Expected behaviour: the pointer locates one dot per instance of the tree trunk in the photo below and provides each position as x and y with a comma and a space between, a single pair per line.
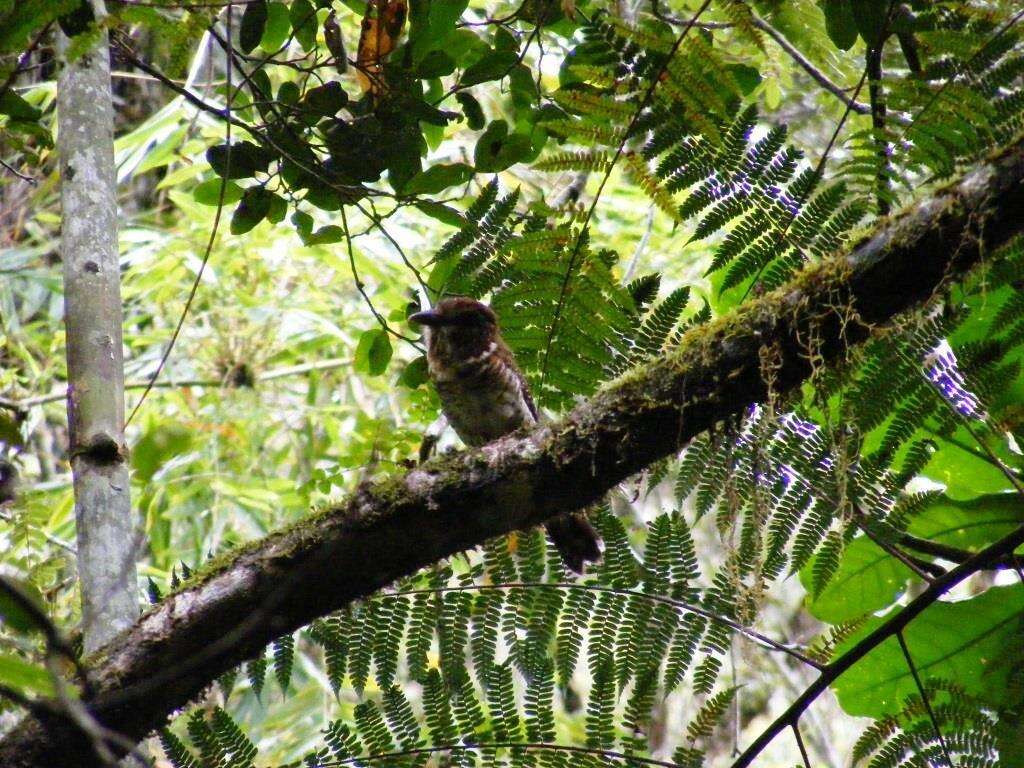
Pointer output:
92, 302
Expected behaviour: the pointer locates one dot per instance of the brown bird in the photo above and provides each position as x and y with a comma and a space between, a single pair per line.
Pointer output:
484, 396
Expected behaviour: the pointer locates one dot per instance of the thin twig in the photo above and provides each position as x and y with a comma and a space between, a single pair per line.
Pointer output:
362, 288
800, 744
902, 618
11, 169
924, 696
55, 642
22, 406
954, 554
925, 570
210, 240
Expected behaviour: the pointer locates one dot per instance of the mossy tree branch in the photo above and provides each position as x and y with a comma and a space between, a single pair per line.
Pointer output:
391, 528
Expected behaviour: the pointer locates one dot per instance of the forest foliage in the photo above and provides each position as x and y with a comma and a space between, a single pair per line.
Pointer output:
608, 177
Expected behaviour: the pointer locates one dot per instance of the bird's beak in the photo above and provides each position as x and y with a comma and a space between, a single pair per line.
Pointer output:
429, 318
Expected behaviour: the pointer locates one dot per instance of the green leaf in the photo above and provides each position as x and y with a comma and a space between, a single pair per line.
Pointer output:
441, 212
373, 352
19, 674
496, 150
158, 446
12, 613
747, 77
277, 27
325, 100
523, 86
251, 210
964, 642
970, 524
278, 209
493, 65
303, 224
867, 580
870, 17
414, 374
437, 178
839, 22
965, 474
254, 21
208, 193
435, 64
431, 24
246, 160
330, 233
303, 20
505, 40
472, 110
15, 107
288, 93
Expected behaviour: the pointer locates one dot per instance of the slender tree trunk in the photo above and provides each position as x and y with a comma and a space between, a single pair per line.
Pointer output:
92, 301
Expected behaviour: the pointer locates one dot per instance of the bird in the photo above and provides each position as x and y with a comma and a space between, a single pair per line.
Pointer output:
485, 396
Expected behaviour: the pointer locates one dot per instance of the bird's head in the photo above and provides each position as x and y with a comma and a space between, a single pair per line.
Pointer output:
458, 327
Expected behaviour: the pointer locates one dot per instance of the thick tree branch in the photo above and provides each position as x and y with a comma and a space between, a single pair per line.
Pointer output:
391, 528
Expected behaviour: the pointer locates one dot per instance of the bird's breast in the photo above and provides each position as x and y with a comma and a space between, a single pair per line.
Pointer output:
484, 401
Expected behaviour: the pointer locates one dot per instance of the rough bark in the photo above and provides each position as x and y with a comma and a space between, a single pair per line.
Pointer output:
92, 305
391, 528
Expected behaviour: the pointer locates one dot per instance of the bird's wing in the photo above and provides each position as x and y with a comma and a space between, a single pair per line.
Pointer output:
524, 388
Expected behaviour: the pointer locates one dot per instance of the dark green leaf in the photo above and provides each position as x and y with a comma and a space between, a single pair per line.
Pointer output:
252, 209
322, 197
839, 22
303, 224
373, 352
496, 150
13, 614
288, 93
278, 209
435, 64
247, 159
254, 21
493, 65
277, 28
472, 110
523, 86
871, 18
303, 20
330, 233
325, 100
748, 78
76, 21
208, 193
438, 178
15, 107
505, 40
414, 374
443, 213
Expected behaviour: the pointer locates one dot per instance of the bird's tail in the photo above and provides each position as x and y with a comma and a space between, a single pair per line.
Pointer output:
575, 539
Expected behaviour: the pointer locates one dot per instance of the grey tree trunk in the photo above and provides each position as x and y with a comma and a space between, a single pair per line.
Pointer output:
92, 302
